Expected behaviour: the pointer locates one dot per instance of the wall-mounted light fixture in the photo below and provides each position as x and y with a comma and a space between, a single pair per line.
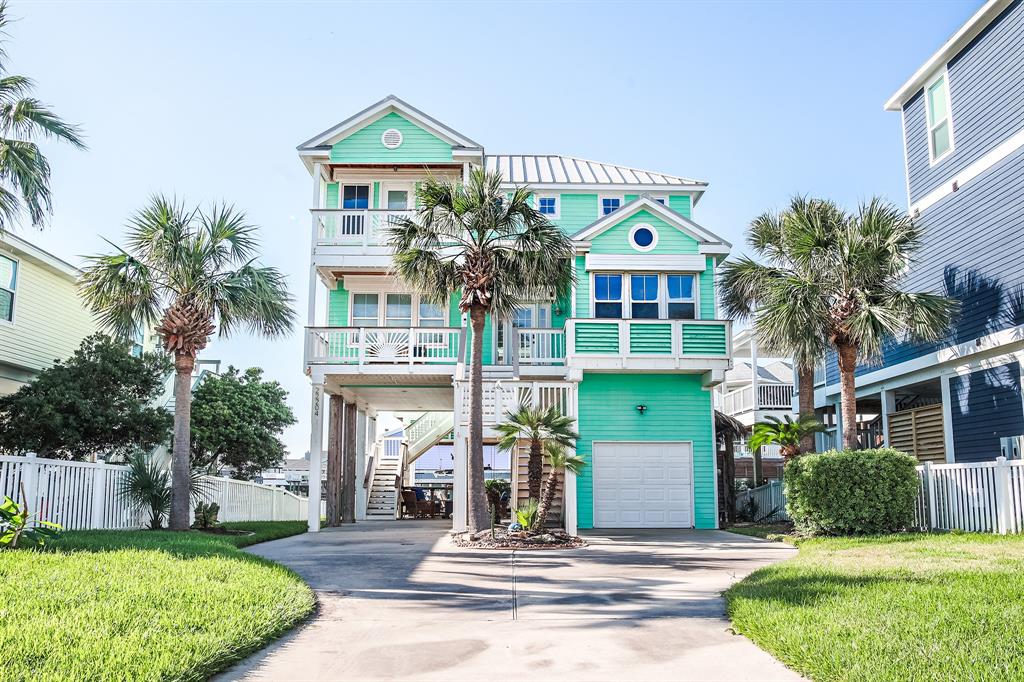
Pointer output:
641, 408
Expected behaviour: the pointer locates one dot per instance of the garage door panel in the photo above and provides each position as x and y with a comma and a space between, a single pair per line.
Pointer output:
638, 485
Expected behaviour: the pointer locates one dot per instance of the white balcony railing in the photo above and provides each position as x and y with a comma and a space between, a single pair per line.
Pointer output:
353, 227
383, 345
500, 397
539, 346
773, 397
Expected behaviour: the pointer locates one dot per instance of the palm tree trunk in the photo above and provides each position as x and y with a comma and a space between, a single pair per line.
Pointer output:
729, 474
535, 470
544, 508
758, 473
848, 394
476, 490
805, 381
180, 464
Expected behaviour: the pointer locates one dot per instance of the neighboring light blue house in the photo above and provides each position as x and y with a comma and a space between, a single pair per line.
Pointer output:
633, 352
963, 122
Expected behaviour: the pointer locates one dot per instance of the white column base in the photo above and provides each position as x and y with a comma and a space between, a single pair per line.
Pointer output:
316, 443
460, 484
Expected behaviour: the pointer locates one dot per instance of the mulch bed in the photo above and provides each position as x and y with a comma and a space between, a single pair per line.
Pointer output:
518, 540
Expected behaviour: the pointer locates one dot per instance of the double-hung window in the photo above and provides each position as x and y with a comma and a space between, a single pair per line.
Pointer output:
431, 314
548, 206
643, 292
609, 204
940, 122
8, 285
682, 305
355, 197
398, 310
364, 310
608, 296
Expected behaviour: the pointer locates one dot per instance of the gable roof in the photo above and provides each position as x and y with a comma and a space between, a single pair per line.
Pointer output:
709, 241
541, 169
371, 113
951, 48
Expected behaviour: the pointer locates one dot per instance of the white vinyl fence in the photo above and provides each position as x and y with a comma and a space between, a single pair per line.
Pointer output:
83, 495
981, 497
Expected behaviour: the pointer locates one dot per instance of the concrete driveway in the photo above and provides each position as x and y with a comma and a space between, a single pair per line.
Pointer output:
399, 601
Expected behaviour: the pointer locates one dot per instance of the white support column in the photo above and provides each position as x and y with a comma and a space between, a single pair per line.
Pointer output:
460, 478
888, 399
569, 487
1003, 496
316, 442
947, 416
99, 496
756, 404
311, 304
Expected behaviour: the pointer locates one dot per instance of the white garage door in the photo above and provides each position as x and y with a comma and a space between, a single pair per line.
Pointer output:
643, 485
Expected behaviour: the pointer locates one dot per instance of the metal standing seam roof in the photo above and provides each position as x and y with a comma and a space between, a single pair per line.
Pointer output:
554, 169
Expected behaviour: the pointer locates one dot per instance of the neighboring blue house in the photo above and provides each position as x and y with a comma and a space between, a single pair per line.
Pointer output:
963, 124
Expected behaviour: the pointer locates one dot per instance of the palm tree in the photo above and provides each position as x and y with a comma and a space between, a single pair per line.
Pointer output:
537, 425
839, 281
787, 433
189, 272
793, 329
498, 252
558, 459
24, 171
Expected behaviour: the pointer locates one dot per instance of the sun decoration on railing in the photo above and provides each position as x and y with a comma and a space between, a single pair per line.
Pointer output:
387, 345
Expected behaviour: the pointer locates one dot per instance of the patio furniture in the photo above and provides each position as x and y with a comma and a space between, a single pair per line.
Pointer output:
414, 507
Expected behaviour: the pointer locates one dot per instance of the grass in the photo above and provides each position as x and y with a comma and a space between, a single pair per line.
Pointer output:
765, 531
905, 607
143, 605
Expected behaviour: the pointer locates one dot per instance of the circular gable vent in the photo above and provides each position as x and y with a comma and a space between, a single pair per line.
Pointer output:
391, 138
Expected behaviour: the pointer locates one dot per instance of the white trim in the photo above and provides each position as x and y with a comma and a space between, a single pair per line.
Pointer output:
660, 262
947, 415
390, 131
632, 237
990, 159
693, 480
666, 213
609, 195
662, 300
941, 75
693, 191
16, 245
549, 195
964, 35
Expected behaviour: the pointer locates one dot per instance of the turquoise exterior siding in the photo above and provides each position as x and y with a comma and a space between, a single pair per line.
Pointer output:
337, 306
671, 241
582, 288
678, 409
331, 196
576, 212
680, 204
704, 339
707, 290
364, 145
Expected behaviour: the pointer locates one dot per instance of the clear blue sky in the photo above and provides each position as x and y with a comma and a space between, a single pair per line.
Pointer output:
208, 101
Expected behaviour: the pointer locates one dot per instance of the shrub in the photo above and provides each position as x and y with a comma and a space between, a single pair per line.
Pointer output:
852, 492
206, 515
526, 513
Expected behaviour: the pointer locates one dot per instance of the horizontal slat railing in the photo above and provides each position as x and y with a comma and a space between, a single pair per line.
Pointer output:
683, 339
86, 495
367, 345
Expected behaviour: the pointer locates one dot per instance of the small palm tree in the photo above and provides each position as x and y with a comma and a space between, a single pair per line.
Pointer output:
787, 433
539, 426
189, 272
24, 171
494, 249
558, 459
839, 280
146, 488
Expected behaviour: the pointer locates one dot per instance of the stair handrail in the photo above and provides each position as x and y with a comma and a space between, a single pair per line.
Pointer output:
371, 466
399, 479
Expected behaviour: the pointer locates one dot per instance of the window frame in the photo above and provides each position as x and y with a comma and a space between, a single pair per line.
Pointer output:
341, 195
420, 302
657, 298
663, 297
643, 226
14, 291
600, 203
382, 298
352, 310
594, 301
943, 75
694, 296
558, 205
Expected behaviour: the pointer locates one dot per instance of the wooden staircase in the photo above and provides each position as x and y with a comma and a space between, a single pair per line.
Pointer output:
382, 496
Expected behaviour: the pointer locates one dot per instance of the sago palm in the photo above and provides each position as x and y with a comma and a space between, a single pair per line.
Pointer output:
841, 282
24, 120
537, 425
559, 459
794, 329
497, 252
190, 273
787, 433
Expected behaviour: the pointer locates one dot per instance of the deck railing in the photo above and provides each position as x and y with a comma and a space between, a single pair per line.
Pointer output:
537, 346
395, 345
773, 397
362, 227
691, 341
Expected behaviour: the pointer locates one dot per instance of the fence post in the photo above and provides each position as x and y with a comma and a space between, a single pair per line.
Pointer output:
1002, 481
30, 481
99, 495
929, 482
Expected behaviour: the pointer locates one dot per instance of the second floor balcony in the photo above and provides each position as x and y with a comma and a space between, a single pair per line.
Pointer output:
771, 396
353, 237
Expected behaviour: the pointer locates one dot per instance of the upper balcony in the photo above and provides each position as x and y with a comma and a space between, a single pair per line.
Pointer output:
353, 237
774, 397
652, 345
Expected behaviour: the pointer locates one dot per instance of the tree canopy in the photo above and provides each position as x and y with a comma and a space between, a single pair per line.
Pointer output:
100, 401
237, 419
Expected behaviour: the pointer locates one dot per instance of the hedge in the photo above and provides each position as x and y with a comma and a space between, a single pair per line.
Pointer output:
852, 492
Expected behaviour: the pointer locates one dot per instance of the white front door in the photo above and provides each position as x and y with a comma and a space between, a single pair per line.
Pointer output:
643, 485
531, 315
397, 196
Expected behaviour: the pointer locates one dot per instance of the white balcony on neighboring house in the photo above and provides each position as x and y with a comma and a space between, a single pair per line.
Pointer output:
353, 237
774, 399
382, 350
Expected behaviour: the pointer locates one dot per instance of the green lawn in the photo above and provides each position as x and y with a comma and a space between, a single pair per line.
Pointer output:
143, 605
906, 607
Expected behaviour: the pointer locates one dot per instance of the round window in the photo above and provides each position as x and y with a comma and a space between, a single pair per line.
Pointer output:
643, 237
391, 138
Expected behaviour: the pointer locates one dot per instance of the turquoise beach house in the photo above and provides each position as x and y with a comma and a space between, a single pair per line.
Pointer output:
633, 352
